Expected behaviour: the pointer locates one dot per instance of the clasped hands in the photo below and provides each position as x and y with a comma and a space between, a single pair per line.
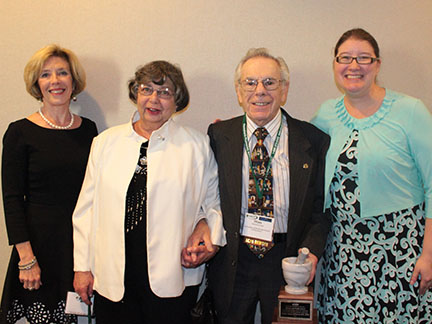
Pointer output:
199, 247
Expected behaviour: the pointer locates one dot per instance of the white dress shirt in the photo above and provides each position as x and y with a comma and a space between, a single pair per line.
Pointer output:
280, 170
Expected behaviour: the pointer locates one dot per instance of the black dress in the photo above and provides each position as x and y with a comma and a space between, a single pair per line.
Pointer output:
42, 173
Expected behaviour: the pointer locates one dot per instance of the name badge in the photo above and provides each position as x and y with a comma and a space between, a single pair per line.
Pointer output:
258, 227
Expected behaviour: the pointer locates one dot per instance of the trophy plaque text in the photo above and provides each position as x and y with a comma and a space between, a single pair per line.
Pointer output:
295, 309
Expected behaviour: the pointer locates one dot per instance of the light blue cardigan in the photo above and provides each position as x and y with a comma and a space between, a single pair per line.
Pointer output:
394, 152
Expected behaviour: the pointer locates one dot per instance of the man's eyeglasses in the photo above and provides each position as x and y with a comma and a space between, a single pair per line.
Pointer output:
251, 84
363, 60
163, 93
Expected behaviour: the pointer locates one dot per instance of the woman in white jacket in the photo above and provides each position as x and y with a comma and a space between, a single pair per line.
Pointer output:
148, 213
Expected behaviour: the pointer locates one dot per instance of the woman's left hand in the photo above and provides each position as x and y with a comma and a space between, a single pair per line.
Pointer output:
423, 268
199, 247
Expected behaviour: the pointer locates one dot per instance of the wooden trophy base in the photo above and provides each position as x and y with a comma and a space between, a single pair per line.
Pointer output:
295, 309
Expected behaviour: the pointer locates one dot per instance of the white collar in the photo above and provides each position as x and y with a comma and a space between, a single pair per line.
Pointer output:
272, 126
160, 133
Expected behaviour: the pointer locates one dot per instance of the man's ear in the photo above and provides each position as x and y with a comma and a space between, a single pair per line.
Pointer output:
285, 89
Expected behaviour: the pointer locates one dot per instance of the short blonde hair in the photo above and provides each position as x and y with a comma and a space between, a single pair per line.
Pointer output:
34, 67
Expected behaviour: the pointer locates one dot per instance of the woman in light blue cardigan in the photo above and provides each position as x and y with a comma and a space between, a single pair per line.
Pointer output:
378, 262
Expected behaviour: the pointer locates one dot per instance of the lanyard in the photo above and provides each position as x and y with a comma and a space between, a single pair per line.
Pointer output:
273, 152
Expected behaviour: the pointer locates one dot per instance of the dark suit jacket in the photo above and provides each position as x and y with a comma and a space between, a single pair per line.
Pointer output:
307, 225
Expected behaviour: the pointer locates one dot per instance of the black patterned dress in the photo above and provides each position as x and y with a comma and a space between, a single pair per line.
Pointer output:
368, 262
135, 225
42, 173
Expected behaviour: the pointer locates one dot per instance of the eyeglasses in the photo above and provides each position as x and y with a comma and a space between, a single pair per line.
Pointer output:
163, 93
363, 60
251, 84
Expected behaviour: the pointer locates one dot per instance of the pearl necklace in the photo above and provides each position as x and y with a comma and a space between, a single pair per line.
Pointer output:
54, 125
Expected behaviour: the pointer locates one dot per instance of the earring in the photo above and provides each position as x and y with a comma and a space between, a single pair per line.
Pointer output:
74, 98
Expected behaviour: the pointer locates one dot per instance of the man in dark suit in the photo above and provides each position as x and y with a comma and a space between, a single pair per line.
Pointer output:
248, 268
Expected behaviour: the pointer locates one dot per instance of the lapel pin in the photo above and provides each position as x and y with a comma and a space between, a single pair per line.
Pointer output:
305, 166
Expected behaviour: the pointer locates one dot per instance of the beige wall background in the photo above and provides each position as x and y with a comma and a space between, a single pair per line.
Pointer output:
207, 39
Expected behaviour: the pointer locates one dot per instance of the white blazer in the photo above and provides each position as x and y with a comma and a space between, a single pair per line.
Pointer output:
182, 188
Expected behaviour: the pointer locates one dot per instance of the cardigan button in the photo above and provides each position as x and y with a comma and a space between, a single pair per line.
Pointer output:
233, 263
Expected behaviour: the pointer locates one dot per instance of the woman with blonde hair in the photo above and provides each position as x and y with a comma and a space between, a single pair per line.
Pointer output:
43, 165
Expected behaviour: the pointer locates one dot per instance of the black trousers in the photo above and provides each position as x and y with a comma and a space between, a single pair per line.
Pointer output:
256, 280
141, 306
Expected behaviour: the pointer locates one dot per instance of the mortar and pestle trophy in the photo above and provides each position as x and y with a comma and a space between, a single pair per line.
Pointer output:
296, 299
